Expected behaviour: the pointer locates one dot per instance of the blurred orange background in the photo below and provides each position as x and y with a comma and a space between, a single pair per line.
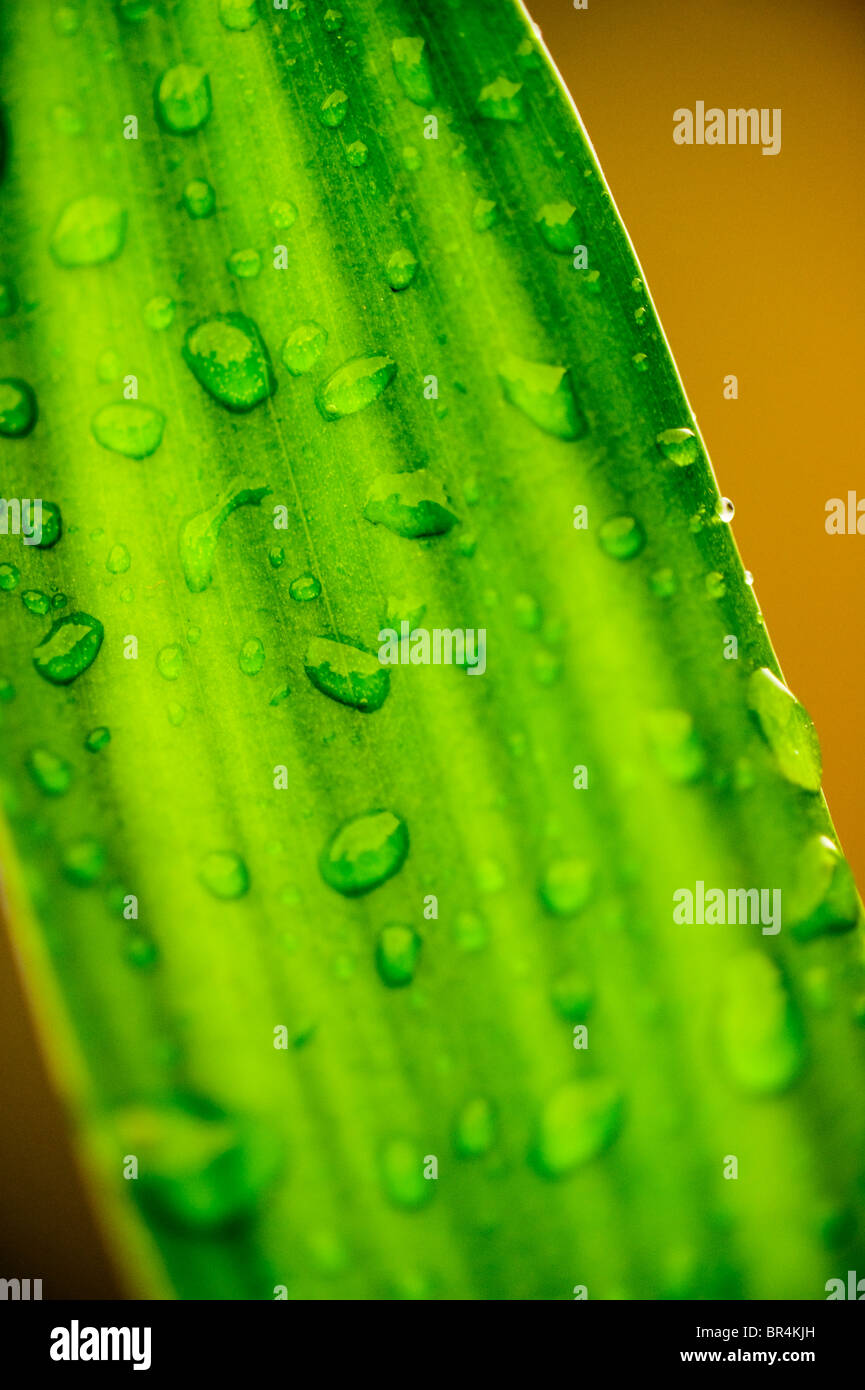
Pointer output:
753, 263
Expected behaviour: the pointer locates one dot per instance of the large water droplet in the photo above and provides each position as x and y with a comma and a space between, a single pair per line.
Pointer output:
787, 729
502, 100
761, 1035
396, 955
51, 773
557, 224
183, 101
411, 69
579, 1122
224, 874
68, 648
18, 411
347, 673
303, 347
364, 852
824, 901
544, 394
410, 504
199, 535
129, 428
90, 231
355, 385
227, 356
200, 1169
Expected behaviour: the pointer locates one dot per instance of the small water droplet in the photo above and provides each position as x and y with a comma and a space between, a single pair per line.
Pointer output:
663, 583
333, 109
640, 361
411, 69
676, 745
305, 588
411, 159
71, 645
118, 561
8, 298
485, 215
364, 852
18, 410
824, 901
129, 428
303, 347
52, 774
578, 1123
355, 385
83, 861
183, 100
238, 15
333, 21
245, 264
159, 312
787, 728
726, 510
544, 394
470, 932
475, 1129
9, 576
402, 1165
67, 119
622, 537
347, 673
199, 198
357, 154
410, 504
761, 1034
224, 874
716, 584
749, 578
169, 662
572, 997
7, 690
36, 602
558, 226
502, 100
396, 955
97, 739
678, 446
401, 268
90, 231
227, 356
251, 657
567, 887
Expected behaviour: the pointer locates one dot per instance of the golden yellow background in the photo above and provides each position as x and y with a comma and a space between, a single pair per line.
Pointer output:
754, 265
